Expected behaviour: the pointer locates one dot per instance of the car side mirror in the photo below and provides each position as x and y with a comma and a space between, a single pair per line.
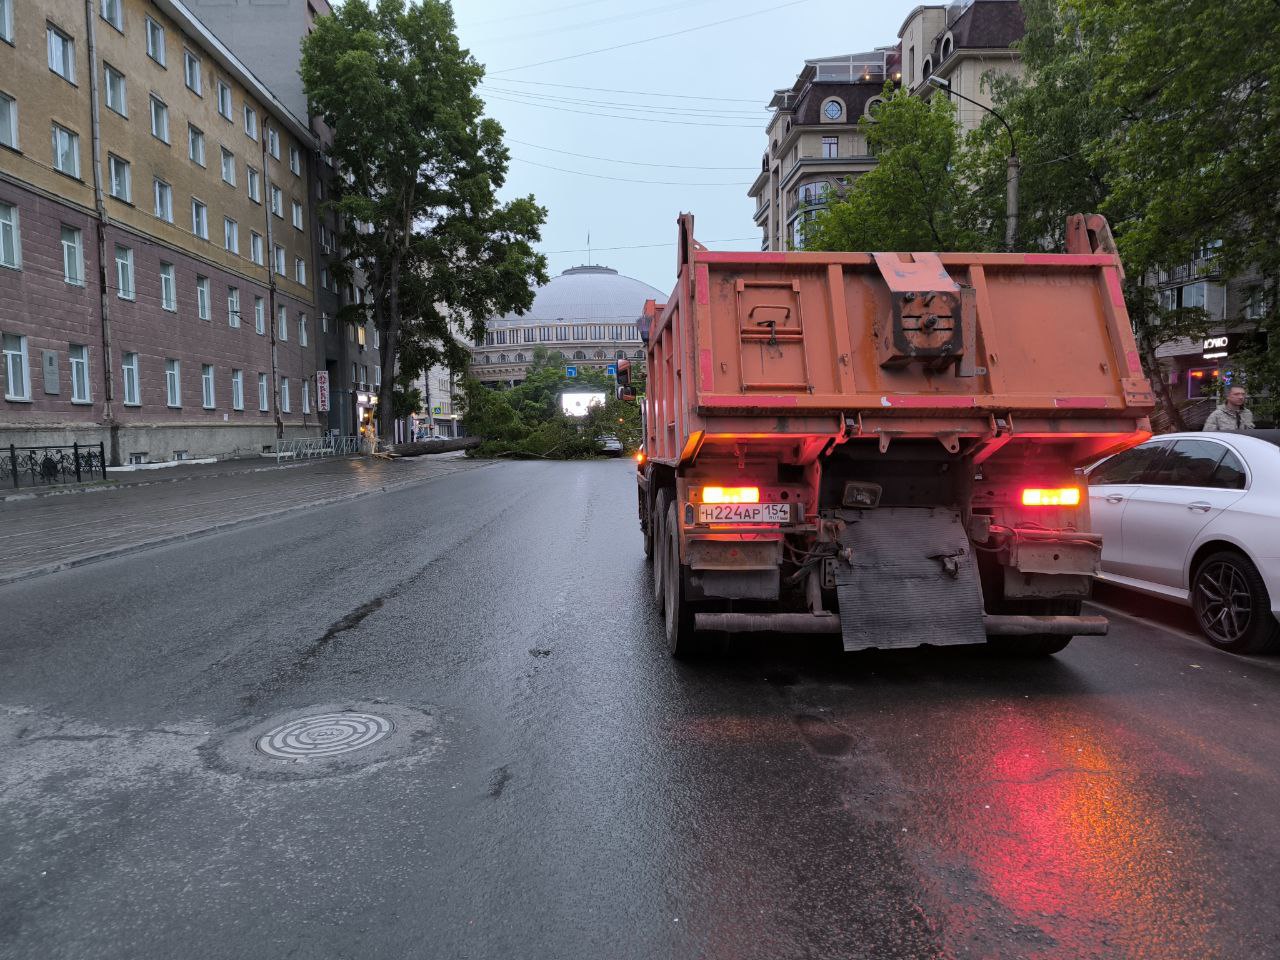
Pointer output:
624, 373
627, 393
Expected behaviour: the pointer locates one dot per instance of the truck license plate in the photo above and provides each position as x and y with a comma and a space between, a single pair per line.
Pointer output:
744, 513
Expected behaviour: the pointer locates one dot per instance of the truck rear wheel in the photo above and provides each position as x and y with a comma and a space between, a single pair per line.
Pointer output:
677, 613
658, 528
1038, 645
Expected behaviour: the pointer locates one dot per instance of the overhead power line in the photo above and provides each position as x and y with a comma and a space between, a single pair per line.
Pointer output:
630, 163
644, 246
561, 28
601, 176
536, 13
638, 93
619, 116
662, 36
554, 98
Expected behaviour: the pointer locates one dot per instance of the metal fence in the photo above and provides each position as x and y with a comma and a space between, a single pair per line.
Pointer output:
305, 448
49, 466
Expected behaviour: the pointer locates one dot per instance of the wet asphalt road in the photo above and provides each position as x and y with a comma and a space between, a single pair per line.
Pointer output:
567, 790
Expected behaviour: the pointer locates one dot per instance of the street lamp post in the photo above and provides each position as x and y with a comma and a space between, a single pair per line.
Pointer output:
1011, 183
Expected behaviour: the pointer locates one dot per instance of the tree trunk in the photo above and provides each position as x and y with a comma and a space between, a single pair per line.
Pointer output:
387, 361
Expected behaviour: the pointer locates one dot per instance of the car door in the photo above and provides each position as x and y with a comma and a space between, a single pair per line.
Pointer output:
1183, 493
1110, 485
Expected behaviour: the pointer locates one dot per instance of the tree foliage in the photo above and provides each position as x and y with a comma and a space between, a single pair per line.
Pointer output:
419, 169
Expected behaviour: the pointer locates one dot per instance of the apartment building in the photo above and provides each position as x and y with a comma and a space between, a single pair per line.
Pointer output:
815, 148
157, 267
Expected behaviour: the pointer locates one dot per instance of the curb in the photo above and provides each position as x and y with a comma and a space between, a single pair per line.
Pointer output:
88, 558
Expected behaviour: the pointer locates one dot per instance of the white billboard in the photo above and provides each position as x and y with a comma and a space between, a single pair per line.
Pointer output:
577, 404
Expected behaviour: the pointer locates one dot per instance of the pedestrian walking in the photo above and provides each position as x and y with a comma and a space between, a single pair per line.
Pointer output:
1232, 415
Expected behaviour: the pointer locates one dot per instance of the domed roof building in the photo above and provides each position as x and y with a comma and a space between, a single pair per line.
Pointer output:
590, 315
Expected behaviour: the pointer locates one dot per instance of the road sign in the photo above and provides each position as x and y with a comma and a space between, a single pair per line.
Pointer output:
570, 371
322, 391
611, 369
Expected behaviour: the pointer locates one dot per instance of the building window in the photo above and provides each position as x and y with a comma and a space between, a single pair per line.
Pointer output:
10, 237
159, 119
832, 110
155, 41
255, 248
168, 287
295, 161
173, 383
324, 322
114, 83
17, 385
72, 256
277, 202
273, 142
121, 185
237, 389
113, 13
202, 297
377, 338
377, 375
62, 54
233, 306
206, 385
278, 256
284, 394
297, 214
259, 316
195, 144
79, 373
251, 122
191, 71
224, 100
6, 20
228, 167
262, 391
306, 396
282, 325
8, 119
230, 235
302, 329
830, 148
124, 273
129, 369
66, 151
300, 270
254, 181
163, 200
199, 219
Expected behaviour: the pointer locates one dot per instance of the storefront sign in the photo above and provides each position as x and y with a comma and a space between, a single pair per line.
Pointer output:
322, 391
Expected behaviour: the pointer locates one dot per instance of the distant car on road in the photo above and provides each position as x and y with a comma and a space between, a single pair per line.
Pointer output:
1195, 517
611, 446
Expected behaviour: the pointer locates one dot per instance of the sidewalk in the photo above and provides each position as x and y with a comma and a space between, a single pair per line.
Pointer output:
43, 534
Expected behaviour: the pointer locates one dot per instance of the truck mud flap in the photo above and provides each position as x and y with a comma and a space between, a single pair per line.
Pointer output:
907, 576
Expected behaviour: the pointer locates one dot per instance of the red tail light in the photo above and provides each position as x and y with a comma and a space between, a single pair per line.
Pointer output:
1051, 497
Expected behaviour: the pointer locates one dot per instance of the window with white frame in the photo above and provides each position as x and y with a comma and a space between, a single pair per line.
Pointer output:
297, 214
113, 83
282, 324
163, 197
62, 53
66, 151
195, 144
324, 278
228, 167
79, 355
168, 287
376, 338
121, 182
233, 306
237, 389
278, 256
324, 322
273, 142
263, 392
10, 237
277, 202
155, 41
124, 273
72, 256
6, 20
300, 270
199, 219
129, 378
284, 394
306, 396
255, 248
230, 235
17, 383
159, 119
113, 13
202, 297
8, 119
224, 101
191, 71
173, 383
302, 329
295, 161
251, 122
377, 374
206, 385
254, 182
259, 315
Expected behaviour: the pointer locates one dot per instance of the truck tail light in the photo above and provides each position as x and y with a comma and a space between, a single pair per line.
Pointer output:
730, 494
1051, 497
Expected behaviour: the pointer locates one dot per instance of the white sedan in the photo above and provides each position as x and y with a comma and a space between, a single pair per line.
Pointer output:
1195, 517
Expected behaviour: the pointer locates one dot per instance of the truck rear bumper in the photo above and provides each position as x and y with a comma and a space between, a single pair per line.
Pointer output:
993, 625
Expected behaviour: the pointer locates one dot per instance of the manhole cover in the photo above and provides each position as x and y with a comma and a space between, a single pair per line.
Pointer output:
323, 735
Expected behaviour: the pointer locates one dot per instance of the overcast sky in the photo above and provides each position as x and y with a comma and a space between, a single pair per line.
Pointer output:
732, 68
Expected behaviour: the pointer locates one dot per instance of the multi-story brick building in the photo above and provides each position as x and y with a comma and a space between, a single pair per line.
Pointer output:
157, 257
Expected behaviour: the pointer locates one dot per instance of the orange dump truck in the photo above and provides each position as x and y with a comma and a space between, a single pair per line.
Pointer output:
884, 446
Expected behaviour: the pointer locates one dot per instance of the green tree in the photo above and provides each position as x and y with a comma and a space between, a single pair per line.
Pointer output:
419, 168
914, 198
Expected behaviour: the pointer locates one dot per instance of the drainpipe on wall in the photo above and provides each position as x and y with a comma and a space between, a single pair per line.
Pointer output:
104, 295
271, 282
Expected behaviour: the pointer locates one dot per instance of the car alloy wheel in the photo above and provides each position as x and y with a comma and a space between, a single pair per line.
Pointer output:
1223, 602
